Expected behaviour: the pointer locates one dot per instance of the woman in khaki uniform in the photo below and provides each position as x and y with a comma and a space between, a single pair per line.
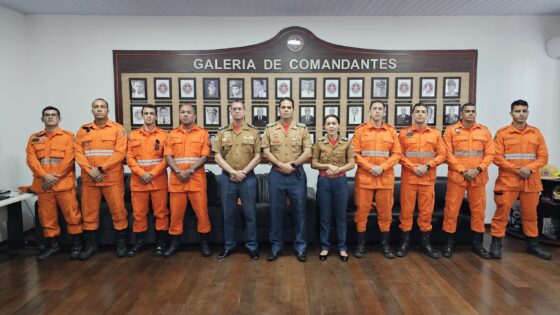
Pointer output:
333, 156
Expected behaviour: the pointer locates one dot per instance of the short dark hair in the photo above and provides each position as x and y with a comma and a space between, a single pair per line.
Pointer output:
149, 106
419, 104
329, 116
188, 104
519, 103
467, 104
100, 99
287, 99
238, 100
376, 101
50, 108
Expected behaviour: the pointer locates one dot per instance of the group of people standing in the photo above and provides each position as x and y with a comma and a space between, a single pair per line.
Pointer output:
100, 147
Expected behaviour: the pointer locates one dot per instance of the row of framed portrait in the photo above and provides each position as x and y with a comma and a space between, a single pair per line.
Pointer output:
260, 117
283, 88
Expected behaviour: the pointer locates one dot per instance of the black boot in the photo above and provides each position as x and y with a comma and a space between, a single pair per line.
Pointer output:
76, 246
403, 247
205, 249
477, 247
361, 246
386, 249
427, 246
137, 245
121, 243
496, 247
52, 249
534, 248
161, 240
173, 246
91, 245
448, 247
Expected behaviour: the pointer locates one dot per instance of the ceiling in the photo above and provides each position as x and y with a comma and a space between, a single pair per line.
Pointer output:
284, 7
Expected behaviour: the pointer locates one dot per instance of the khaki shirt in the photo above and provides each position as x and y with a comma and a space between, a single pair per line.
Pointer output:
286, 147
324, 152
238, 148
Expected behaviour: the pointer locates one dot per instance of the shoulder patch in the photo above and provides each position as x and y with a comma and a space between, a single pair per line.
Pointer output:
301, 125
40, 134
87, 128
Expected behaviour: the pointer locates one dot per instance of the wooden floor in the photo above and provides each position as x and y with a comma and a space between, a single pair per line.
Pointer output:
190, 284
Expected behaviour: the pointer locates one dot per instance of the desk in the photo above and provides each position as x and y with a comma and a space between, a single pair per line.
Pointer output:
15, 218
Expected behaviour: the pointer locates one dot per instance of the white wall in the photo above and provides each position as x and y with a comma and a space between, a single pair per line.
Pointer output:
70, 62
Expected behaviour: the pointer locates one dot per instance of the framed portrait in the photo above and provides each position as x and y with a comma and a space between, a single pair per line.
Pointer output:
283, 88
451, 112
307, 88
452, 87
307, 115
137, 87
428, 87
211, 88
260, 116
277, 112
431, 115
136, 118
259, 88
162, 88
212, 137
235, 88
187, 88
331, 88
385, 111
312, 136
355, 115
402, 115
165, 115
379, 87
349, 135
212, 115
355, 88
403, 88
331, 110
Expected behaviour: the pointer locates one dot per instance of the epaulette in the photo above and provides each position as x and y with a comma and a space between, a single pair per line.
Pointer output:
87, 128
343, 139
40, 134
68, 132
390, 126
272, 124
223, 128
503, 128
251, 126
321, 139
360, 126
301, 125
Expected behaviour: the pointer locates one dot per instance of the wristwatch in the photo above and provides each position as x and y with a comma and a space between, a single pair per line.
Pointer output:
191, 171
293, 165
427, 167
479, 169
100, 169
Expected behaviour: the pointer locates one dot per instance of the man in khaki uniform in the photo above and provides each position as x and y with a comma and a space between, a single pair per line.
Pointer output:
238, 151
286, 144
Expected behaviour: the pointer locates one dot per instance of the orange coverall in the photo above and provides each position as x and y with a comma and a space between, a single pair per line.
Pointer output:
514, 149
145, 155
54, 154
103, 147
467, 149
187, 147
375, 146
420, 147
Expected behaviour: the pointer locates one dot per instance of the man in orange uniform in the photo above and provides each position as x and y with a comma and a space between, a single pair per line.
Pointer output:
186, 151
470, 151
377, 151
520, 154
423, 150
50, 156
100, 149
148, 180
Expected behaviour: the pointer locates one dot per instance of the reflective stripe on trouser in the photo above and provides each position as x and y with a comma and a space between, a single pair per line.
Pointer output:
332, 197
48, 212
529, 202
454, 198
281, 186
178, 203
91, 200
247, 192
141, 205
426, 195
383, 199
